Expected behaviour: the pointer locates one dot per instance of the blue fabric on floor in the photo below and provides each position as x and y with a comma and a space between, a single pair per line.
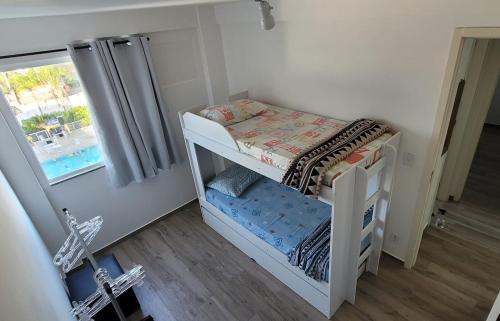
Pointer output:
275, 213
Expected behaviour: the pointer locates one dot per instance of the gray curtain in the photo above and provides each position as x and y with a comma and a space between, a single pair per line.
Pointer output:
129, 114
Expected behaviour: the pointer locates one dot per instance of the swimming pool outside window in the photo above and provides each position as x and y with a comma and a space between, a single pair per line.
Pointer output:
50, 106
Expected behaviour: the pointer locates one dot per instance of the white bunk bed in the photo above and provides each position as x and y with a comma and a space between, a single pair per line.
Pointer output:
351, 194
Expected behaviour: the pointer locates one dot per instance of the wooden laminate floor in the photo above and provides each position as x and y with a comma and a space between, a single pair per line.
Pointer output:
482, 188
478, 212
194, 274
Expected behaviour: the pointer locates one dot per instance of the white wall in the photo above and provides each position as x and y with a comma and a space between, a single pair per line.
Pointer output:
18, 171
31, 288
181, 64
348, 59
493, 117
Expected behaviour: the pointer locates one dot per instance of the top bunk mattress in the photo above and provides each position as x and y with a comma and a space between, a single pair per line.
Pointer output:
279, 135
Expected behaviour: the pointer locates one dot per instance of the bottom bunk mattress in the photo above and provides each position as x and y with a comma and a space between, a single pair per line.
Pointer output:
282, 217
275, 213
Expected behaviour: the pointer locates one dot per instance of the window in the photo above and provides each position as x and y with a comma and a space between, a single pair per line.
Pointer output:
49, 104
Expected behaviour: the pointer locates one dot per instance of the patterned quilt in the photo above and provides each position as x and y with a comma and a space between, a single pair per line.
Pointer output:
279, 135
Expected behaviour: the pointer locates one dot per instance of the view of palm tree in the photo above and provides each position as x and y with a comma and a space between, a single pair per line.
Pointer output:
51, 108
41, 86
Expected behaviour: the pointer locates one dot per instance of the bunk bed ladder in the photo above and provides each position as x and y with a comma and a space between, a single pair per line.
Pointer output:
369, 258
382, 208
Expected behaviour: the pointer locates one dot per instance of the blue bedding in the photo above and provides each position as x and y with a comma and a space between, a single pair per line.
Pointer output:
287, 220
275, 213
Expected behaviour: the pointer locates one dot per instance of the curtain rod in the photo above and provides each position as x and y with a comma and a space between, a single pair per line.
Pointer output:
34, 53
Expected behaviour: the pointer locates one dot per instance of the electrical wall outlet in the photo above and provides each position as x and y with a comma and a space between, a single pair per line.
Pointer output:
408, 159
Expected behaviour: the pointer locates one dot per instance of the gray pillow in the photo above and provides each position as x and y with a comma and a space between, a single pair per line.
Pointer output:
234, 180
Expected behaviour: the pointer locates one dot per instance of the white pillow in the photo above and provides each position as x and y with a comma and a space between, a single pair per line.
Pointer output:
235, 112
252, 107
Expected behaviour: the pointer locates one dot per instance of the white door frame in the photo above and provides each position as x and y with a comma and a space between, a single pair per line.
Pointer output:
475, 67
471, 48
442, 120
479, 106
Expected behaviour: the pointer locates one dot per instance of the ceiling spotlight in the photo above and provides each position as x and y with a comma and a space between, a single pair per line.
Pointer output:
267, 19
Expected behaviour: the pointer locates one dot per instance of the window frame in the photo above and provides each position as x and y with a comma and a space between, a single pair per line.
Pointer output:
15, 127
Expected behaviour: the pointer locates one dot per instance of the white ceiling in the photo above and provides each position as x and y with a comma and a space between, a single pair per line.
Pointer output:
38, 8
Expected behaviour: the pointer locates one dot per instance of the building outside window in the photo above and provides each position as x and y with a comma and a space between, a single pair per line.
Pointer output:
50, 107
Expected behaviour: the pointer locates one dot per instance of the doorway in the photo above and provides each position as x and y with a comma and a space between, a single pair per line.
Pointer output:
478, 208
468, 196
468, 89
483, 182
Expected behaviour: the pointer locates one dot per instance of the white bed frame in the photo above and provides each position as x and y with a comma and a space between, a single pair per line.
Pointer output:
352, 193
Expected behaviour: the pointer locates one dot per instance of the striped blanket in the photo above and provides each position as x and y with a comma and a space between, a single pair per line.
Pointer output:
306, 172
312, 254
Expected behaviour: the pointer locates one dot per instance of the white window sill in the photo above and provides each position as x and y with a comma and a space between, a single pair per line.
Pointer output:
74, 174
